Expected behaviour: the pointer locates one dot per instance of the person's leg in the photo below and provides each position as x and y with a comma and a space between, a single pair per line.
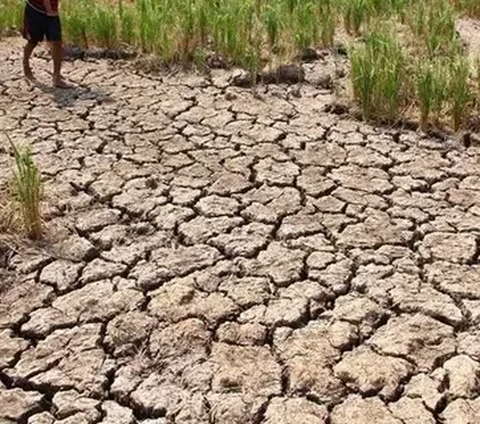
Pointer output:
57, 56
33, 33
27, 54
54, 36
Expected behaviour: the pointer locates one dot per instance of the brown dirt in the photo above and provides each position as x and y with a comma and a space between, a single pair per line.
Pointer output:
227, 256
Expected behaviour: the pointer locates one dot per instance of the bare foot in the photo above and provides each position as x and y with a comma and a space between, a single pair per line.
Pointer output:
60, 83
27, 71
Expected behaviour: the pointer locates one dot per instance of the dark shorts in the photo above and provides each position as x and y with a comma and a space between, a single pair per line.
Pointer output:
38, 27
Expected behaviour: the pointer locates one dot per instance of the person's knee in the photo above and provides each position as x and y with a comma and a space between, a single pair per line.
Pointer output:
32, 44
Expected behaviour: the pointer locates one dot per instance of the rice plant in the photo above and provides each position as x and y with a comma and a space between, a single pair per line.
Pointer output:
127, 23
27, 190
468, 7
431, 89
75, 23
377, 73
355, 14
306, 26
327, 14
433, 23
272, 22
104, 26
459, 94
11, 15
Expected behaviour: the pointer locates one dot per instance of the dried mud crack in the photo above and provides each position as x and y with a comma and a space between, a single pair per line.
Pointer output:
228, 257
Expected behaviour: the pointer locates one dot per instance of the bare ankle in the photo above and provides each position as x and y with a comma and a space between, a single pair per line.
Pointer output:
27, 70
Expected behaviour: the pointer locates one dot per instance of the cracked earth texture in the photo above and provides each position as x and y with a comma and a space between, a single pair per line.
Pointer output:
222, 257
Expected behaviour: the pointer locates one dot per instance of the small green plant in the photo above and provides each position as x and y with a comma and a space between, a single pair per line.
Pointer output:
459, 94
363, 79
272, 24
306, 31
127, 23
431, 85
377, 74
27, 190
75, 22
11, 16
477, 84
104, 26
355, 14
469, 7
327, 15
433, 23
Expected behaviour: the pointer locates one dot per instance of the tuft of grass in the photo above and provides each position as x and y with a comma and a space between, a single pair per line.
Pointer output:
306, 31
27, 190
327, 15
477, 84
355, 14
11, 16
104, 26
433, 23
459, 94
468, 7
272, 23
377, 73
75, 23
126, 13
431, 89
9, 221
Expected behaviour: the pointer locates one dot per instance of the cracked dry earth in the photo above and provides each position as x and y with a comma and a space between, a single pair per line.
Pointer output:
222, 258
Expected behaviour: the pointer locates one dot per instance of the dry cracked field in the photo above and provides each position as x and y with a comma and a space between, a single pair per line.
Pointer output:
223, 257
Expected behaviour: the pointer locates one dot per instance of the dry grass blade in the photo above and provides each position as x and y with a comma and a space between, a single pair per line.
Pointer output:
9, 222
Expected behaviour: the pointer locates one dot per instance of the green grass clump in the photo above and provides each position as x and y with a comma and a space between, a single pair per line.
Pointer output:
386, 74
104, 25
459, 93
11, 16
431, 89
468, 7
327, 14
355, 14
433, 24
377, 73
27, 191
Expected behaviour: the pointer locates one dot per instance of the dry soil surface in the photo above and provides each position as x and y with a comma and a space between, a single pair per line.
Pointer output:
223, 257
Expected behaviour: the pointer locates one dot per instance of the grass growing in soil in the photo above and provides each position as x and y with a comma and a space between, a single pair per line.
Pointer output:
431, 89
26, 191
459, 93
386, 77
377, 75
11, 16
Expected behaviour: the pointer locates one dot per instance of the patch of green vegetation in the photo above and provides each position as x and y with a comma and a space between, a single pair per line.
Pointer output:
386, 75
11, 16
378, 72
26, 191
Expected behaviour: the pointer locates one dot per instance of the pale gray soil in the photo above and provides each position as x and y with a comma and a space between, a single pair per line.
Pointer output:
223, 257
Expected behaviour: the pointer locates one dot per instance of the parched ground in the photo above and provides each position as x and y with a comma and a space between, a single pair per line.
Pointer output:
219, 256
